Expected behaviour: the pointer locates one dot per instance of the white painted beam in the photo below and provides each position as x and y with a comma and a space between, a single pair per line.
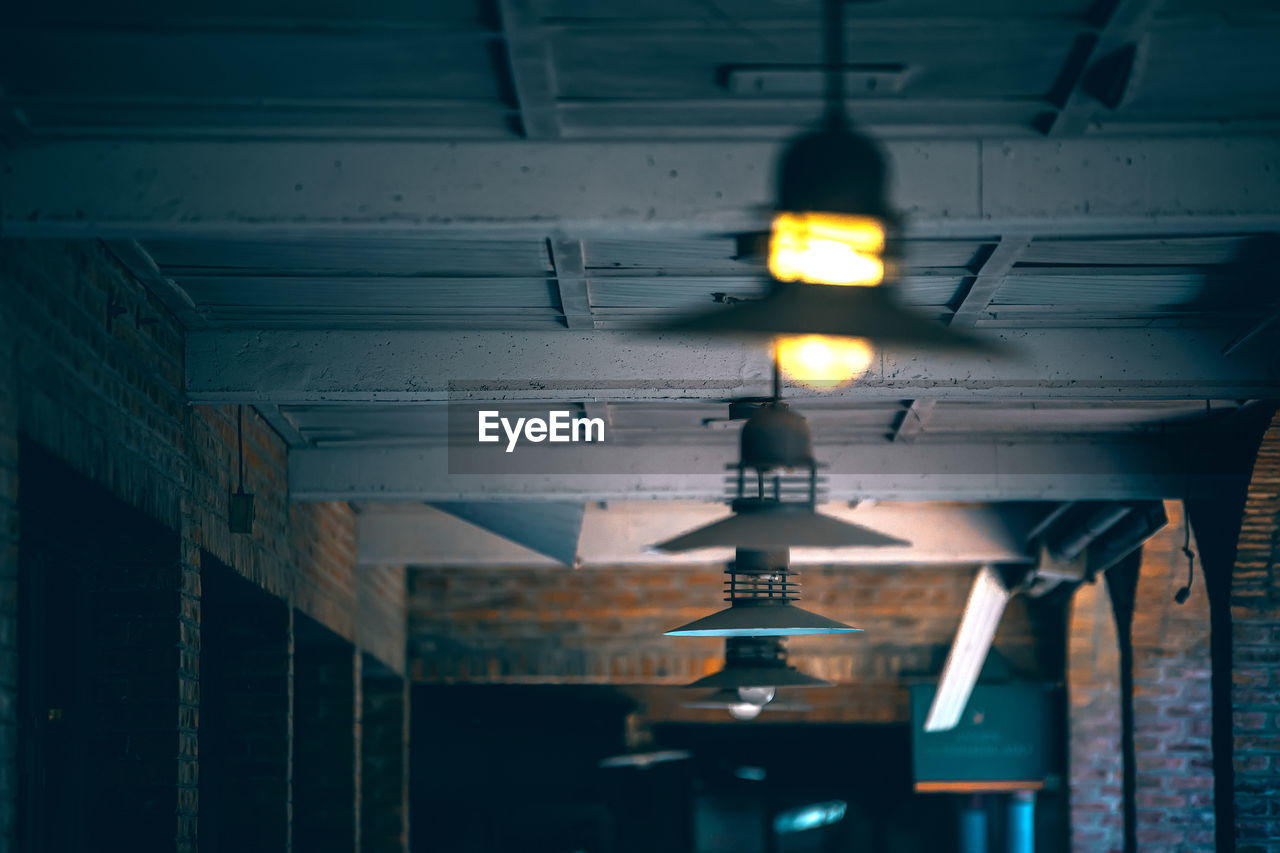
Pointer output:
1127, 22
142, 189
293, 367
1018, 469
619, 534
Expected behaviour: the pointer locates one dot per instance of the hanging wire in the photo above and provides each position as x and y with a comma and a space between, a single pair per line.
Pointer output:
1184, 592
834, 37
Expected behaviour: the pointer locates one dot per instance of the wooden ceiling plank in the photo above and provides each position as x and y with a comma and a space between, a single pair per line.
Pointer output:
995, 269
571, 279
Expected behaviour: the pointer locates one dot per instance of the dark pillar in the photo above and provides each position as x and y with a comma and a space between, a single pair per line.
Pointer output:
384, 771
104, 657
326, 739
244, 715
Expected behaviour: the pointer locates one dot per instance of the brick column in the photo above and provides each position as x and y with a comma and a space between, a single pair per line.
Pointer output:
244, 717
326, 742
384, 772
1172, 713
1255, 641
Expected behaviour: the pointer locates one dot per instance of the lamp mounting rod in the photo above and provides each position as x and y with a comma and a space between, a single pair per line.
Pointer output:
834, 37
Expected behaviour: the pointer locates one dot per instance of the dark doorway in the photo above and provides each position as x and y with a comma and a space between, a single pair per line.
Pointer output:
507, 767
244, 713
98, 689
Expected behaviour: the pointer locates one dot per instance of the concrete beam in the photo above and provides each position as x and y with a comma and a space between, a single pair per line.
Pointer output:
980, 470
619, 534
294, 367
140, 189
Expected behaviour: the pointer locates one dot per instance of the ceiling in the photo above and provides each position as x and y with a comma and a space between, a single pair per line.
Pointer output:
364, 213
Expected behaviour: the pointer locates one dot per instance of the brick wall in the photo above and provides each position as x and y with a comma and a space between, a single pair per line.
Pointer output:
366, 607
1255, 613
606, 626
91, 368
1172, 707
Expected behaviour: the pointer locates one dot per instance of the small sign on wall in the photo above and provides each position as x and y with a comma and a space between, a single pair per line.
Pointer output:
1000, 744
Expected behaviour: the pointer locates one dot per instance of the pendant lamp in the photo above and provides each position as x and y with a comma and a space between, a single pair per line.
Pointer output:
756, 662
834, 253
775, 494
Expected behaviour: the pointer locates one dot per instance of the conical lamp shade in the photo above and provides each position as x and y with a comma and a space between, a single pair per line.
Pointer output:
778, 526
762, 618
725, 698
871, 313
733, 677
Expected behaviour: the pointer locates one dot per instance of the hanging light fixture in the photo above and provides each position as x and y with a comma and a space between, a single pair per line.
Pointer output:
773, 508
760, 589
834, 253
741, 708
754, 668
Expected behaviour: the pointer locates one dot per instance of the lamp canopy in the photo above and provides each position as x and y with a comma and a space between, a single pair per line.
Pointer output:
834, 169
775, 437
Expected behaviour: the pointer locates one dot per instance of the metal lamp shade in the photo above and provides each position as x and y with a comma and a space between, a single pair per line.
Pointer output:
871, 313
777, 526
835, 170
725, 698
761, 618
733, 677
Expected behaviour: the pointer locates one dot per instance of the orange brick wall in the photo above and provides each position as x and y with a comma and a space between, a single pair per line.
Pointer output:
605, 625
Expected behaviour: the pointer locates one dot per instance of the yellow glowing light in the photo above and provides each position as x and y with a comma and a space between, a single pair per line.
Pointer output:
820, 361
827, 248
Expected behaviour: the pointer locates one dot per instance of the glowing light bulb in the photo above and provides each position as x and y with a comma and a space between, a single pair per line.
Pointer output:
756, 695
827, 248
745, 711
820, 361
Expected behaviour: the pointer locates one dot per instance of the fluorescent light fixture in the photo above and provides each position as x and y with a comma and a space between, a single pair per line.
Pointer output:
982, 612
809, 817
